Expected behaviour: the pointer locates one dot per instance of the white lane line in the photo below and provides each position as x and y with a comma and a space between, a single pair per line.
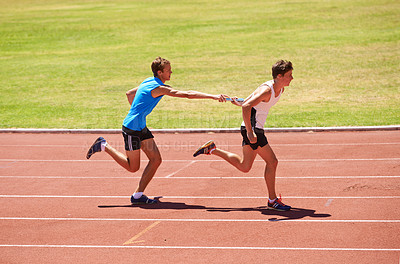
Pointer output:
218, 160
194, 177
181, 169
200, 220
196, 197
278, 177
220, 145
204, 247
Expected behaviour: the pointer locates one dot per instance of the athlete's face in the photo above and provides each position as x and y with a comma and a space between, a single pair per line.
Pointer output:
286, 78
165, 74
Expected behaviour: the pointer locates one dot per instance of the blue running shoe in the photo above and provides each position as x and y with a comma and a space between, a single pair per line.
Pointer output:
278, 205
143, 200
205, 149
96, 147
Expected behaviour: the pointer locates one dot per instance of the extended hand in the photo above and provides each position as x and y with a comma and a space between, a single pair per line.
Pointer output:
221, 97
236, 102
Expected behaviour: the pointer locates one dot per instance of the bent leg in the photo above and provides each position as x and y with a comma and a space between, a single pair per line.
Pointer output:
151, 150
243, 164
130, 161
268, 155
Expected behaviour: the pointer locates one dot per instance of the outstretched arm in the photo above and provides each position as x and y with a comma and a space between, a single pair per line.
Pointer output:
164, 90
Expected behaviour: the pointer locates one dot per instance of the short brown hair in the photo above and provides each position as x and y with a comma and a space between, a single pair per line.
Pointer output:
281, 67
158, 65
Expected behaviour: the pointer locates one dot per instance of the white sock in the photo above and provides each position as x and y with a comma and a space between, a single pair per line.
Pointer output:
103, 146
137, 195
271, 201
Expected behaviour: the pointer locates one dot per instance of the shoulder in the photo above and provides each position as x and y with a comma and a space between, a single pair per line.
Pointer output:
264, 89
263, 92
164, 87
153, 81
161, 90
147, 80
267, 85
270, 84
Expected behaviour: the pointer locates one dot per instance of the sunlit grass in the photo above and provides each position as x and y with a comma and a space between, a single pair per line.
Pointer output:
67, 64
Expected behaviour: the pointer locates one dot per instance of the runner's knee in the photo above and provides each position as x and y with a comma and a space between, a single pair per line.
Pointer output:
133, 167
273, 163
157, 160
245, 168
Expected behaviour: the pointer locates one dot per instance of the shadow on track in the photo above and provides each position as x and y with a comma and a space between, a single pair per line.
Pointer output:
294, 213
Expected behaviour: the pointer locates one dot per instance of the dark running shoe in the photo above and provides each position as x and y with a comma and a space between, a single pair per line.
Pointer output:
143, 200
96, 147
278, 205
205, 149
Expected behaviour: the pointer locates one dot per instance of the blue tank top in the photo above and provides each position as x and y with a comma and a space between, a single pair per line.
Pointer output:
142, 104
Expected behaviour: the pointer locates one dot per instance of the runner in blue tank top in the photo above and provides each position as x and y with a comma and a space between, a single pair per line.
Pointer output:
143, 104
136, 135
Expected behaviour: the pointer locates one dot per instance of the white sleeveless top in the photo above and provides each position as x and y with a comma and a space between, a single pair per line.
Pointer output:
259, 112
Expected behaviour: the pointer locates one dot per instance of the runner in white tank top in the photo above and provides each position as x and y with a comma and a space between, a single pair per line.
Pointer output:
260, 112
255, 109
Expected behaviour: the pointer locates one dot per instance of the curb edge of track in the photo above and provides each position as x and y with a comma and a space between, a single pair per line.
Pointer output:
202, 130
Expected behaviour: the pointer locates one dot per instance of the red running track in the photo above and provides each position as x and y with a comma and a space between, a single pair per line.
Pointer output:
344, 187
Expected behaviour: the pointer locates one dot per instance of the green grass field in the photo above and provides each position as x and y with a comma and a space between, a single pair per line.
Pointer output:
67, 64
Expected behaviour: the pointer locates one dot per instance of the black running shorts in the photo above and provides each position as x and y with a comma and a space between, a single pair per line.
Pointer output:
133, 138
261, 138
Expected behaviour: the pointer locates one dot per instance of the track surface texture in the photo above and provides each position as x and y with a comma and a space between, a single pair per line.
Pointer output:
58, 207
